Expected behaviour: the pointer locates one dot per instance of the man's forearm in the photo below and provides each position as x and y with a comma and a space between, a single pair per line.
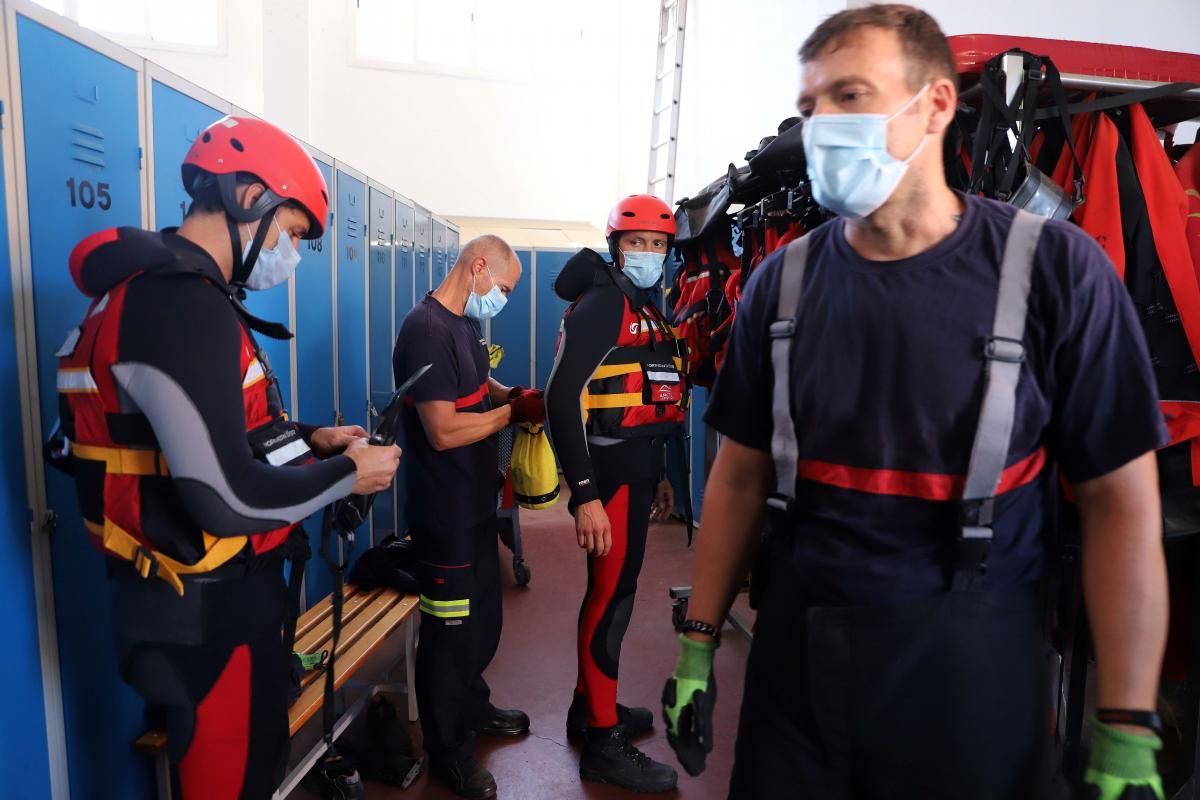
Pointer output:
463, 428
1125, 586
728, 539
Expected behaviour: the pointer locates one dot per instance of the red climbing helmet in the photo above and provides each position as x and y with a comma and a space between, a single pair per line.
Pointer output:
242, 144
641, 212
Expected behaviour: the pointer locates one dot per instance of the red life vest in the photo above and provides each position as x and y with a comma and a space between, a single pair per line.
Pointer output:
119, 467
640, 389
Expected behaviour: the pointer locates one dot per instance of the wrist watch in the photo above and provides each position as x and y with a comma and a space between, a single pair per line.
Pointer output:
1130, 716
696, 626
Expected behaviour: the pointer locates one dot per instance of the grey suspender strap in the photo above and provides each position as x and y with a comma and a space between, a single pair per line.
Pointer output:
784, 449
1004, 352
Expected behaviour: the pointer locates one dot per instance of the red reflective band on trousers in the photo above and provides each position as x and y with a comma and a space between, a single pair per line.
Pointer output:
472, 399
922, 485
215, 765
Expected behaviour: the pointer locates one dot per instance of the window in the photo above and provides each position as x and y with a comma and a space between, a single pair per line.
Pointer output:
477, 38
186, 23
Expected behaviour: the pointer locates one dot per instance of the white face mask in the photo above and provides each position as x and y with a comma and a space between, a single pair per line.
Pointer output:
274, 266
851, 170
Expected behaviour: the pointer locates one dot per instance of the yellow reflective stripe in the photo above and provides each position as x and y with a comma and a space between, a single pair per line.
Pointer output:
613, 370
121, 460
445, 609
602, 401
77, 381
254, 374
122, 544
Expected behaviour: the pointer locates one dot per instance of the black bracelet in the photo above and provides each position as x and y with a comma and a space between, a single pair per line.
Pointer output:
1129, 716
696, 626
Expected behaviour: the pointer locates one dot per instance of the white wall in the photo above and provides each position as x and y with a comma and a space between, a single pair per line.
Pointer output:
561, 146
236, 71
741, 75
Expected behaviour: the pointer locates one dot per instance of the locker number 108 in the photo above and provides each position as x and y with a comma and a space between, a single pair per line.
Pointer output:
86, 195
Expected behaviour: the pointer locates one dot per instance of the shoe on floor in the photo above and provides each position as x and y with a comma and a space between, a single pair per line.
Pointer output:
334, 778
466, 779
636, 721
609, 757
505, 722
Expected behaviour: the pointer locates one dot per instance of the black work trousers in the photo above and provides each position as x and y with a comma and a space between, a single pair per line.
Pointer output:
460, 630
938, 698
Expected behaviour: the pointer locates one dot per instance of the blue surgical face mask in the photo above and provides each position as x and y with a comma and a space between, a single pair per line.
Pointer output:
643, 268
851, 170
481, 307
274, 266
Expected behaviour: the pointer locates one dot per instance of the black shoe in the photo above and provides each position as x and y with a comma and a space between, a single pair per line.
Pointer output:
505, 722
609, 757
467, 779
334, 778
636, 721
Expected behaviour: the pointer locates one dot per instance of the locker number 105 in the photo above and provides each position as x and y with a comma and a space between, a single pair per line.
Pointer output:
86, 195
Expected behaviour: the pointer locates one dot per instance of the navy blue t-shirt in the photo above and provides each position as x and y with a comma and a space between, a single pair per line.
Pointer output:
454, 489
887, 382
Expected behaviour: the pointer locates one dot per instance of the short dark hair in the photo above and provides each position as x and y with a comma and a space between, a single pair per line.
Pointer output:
924, 44
207, 198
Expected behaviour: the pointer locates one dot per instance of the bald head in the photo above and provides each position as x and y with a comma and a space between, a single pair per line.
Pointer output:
490, 253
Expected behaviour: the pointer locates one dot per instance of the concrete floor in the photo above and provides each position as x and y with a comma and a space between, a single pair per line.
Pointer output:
535, 669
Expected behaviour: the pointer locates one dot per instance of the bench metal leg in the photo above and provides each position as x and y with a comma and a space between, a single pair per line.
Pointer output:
162, 775
410, 664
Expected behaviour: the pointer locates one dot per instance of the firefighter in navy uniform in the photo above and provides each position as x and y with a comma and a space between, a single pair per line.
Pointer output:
191, 479
898, 382
450, 425
618, 353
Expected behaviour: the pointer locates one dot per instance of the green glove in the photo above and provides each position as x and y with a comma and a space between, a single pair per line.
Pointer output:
311, 661
1122, 765
688, 700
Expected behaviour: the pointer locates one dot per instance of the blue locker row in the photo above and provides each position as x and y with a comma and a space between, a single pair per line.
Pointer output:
96, 140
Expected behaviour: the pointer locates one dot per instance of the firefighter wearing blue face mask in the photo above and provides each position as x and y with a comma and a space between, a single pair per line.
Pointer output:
450, 432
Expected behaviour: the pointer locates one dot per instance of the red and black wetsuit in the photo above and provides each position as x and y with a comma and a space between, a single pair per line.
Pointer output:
193, 482
620, 362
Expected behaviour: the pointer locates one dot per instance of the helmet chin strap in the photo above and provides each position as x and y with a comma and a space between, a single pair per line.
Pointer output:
242, 269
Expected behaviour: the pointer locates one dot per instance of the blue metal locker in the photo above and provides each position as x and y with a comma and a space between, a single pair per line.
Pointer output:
405, 297
452, 245
512, 329
406, 293
25, 768
424, 246
440, 266
549, 311
176, 120
381, 307
351, 298
82, 166
314, 363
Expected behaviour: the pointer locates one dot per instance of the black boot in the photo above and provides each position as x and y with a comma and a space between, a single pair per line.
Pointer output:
609, 757
505, 722
334, 777
466, 779
635, 720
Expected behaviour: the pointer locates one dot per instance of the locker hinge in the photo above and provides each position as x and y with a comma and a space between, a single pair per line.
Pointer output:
1, 115
139, 158
50, 522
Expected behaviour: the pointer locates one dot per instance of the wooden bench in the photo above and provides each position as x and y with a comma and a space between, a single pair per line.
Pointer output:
369, 618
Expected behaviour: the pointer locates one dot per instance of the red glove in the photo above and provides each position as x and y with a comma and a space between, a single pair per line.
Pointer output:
528, 406
517, 391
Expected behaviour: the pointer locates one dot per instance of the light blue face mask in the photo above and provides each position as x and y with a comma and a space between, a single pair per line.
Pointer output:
851, 170
482, 307
643, 268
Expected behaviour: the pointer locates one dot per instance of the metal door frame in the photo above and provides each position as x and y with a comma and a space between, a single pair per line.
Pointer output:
21, 266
